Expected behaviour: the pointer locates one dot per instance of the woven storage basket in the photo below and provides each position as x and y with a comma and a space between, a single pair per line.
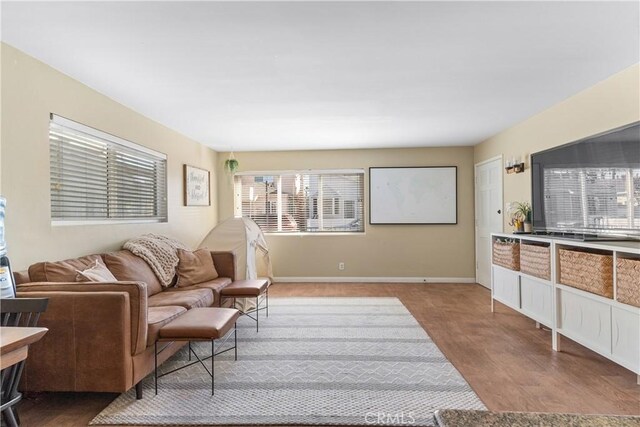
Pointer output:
535, 260
628, 281
591, 272
507, 254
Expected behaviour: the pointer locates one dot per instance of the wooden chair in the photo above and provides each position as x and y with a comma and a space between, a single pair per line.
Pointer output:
23, 312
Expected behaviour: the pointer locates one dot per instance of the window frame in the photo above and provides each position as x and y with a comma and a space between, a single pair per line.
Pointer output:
113, 142
277, 174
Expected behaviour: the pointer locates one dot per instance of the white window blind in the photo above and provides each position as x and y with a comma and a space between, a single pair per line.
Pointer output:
302, 201
99, 177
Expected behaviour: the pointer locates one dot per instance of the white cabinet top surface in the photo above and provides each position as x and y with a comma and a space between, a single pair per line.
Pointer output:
631, 247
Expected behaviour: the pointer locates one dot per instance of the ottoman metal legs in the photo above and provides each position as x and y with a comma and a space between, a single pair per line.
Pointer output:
205, 324
248, 289
260, 299
198, 359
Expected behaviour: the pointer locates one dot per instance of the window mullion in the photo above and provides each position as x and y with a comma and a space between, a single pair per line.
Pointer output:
279, 202
237, 198
320, 203
631, 196
110, 181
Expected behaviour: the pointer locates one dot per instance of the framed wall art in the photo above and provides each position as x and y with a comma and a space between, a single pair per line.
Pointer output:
413, 195
196, 186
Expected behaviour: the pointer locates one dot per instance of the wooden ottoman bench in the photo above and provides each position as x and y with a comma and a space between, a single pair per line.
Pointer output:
258, 289
200, 324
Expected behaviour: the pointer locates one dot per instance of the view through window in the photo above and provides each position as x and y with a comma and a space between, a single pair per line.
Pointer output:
302, 201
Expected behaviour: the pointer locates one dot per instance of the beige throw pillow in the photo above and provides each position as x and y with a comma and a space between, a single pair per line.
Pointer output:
195, 267
97, 272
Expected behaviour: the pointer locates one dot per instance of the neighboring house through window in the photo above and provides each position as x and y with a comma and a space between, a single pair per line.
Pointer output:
302, 201
349, 209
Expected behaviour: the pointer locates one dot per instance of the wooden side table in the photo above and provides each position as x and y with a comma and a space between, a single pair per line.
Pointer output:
14, 349
14, 343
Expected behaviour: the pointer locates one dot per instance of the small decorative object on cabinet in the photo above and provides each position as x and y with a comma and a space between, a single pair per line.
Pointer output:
517, 224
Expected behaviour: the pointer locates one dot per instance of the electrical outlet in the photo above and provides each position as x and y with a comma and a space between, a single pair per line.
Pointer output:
341, 266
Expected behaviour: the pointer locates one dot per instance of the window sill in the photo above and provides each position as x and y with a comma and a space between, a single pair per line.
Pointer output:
59, 223
323, 233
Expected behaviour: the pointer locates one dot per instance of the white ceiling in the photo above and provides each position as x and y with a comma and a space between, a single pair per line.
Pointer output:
303, 75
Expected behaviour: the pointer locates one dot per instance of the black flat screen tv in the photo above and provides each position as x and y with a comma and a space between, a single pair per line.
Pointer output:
589, 187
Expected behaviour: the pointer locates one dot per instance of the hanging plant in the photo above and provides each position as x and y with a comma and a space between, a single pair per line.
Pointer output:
231, 164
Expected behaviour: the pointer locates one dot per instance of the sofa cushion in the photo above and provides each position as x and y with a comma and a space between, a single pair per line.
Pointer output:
21, 277
158, 317
125, 266
97, 272
60, 271
214, 286
185, 298
195, 267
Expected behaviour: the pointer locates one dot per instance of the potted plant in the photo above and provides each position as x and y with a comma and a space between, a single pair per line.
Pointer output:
521, 216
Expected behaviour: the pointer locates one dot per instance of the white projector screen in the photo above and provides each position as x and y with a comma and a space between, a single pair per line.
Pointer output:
413, 195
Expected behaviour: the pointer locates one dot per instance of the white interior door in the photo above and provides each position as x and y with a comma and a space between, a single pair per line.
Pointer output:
488, 214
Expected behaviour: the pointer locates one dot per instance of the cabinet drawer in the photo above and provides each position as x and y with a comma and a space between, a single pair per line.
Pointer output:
506, 287
625, 338
586, 320
535, 297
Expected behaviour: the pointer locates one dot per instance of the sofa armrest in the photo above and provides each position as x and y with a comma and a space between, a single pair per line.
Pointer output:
137, 301
225, 263
88, 346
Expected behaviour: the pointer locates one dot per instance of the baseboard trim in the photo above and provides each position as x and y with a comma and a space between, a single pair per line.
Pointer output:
350, 279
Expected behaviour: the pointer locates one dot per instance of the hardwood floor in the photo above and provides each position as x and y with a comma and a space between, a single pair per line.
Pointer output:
507, 361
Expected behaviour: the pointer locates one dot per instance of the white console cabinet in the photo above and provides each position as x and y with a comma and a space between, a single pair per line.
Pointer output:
601, 324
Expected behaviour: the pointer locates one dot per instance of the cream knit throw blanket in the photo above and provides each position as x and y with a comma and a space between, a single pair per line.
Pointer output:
159, 252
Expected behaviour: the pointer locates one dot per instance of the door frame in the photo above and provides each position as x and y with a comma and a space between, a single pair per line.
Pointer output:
475, 205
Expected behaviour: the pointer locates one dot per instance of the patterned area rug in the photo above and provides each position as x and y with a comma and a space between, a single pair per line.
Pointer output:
328, 361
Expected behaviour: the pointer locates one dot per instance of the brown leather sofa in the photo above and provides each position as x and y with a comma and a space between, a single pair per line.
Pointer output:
101, 335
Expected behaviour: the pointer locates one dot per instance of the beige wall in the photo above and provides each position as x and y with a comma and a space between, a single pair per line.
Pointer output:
30, 91
609, 104
384, 250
